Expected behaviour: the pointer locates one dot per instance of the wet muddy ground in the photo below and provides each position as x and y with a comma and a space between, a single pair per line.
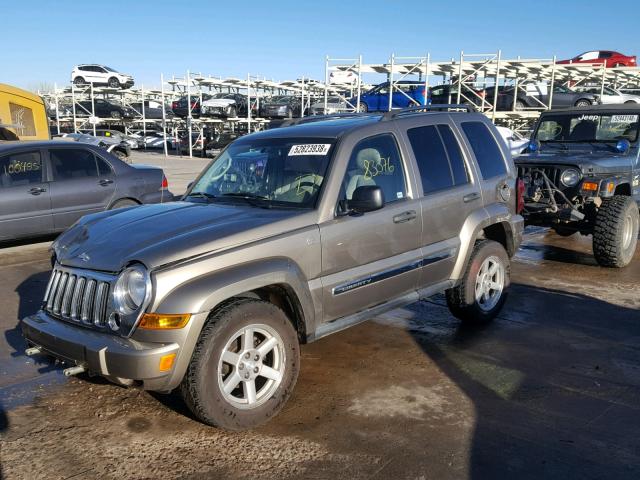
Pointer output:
551, 389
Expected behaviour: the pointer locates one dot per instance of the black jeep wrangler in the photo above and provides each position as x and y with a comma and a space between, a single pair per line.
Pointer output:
582, 174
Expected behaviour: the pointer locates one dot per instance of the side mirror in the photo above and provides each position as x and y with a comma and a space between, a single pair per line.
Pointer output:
366, 198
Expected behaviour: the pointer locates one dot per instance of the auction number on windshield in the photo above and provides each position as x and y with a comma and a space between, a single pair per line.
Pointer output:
310, 149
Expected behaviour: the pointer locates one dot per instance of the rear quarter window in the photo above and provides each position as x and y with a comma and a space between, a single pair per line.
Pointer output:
485, 148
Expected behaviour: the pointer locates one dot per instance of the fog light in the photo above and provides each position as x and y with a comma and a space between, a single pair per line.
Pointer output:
161, 321
166, 362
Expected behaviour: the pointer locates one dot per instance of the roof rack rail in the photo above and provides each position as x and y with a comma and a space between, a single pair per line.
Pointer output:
444, 107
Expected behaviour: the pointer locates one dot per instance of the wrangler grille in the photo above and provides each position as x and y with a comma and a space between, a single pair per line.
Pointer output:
78, 296
533, 172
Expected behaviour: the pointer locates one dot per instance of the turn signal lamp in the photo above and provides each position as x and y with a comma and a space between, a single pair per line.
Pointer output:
166, 362
590, 186
162, 321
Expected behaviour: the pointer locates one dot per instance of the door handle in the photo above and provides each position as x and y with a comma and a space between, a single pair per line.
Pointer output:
405, 216
37, 190
105, 182
470, 197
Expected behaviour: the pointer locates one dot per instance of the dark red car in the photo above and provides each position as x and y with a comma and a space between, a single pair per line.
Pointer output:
608, 57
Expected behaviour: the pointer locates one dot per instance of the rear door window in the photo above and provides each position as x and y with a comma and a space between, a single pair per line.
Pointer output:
486, 150
23, 168
439, 158
69, 164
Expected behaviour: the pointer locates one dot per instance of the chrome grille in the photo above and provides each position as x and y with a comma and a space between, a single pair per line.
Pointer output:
78, 295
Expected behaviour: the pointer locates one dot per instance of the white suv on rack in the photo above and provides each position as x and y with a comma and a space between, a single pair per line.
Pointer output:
100, 75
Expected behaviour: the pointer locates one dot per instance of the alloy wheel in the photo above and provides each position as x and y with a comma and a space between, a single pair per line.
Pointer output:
251, 366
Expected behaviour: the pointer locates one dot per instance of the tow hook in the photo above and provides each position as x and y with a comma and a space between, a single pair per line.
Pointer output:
73, 370
30, 352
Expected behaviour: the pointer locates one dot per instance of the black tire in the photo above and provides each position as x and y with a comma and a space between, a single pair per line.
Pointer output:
520, 105
113, 83
232, 113
124, 203
289, 113
461, 299
199, 387
79, 81
363, 107
115, 114
583, 102
564, 231
615, 234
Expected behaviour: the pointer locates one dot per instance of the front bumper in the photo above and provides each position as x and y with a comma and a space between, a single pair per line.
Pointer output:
114, 357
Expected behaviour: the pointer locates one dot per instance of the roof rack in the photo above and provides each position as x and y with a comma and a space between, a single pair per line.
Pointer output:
444, 107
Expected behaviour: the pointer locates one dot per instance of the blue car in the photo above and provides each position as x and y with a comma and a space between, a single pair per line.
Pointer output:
406, 94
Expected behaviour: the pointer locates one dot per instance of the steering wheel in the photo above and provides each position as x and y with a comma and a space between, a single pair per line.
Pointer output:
224, 167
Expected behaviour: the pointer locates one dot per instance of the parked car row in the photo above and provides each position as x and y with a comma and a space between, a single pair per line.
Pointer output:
46, 186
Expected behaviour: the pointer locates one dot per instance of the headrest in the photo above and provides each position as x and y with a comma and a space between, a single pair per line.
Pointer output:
370, 155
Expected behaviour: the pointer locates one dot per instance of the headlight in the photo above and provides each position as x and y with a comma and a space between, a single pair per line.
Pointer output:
570, 177
131, 289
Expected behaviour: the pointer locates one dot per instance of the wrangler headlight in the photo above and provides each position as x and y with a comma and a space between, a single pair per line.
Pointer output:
570, 177
131, 289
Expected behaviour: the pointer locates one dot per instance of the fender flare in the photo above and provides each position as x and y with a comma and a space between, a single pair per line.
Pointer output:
206, 292
474, 224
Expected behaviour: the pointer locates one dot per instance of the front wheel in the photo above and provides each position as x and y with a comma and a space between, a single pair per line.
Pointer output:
113, 83
116, 114
244, 366
79, 81
362, 108
583, 103
615, 234
483, 289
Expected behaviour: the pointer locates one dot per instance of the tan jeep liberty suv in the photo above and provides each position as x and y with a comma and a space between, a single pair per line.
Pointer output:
287, 236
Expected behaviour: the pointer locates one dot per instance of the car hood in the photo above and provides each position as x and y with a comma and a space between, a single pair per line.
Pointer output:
590, 160
160, 234
219, 102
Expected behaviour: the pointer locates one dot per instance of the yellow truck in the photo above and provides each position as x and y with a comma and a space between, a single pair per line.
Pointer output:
22, 115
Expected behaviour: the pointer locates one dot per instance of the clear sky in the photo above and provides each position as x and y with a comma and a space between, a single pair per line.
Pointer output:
43, 40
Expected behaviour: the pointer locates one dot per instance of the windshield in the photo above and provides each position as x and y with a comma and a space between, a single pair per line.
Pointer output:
590, 127
109, 69
281, 99
286, 172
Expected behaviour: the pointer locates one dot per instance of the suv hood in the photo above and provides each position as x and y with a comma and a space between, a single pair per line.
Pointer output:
589, 160
159, 234
219, 102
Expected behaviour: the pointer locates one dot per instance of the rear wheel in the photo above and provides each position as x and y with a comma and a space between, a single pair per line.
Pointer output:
113, 82
483, 289
520, 105
583, 102
244, 366
615, 234
124, 203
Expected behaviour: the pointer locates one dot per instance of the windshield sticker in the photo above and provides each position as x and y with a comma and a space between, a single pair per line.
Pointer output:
624, 118
310, 149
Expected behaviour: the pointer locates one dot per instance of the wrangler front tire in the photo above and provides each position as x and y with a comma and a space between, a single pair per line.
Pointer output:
615, 235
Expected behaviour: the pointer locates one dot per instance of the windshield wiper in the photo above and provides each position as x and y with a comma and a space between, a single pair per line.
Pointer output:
555, 143
250, 198
206, 195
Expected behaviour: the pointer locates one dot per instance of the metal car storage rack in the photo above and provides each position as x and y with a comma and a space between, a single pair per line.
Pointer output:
470, 74
76, 116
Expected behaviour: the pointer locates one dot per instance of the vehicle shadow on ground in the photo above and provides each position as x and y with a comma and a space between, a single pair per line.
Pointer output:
555, 396
27, 241
30, 293
554, 253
